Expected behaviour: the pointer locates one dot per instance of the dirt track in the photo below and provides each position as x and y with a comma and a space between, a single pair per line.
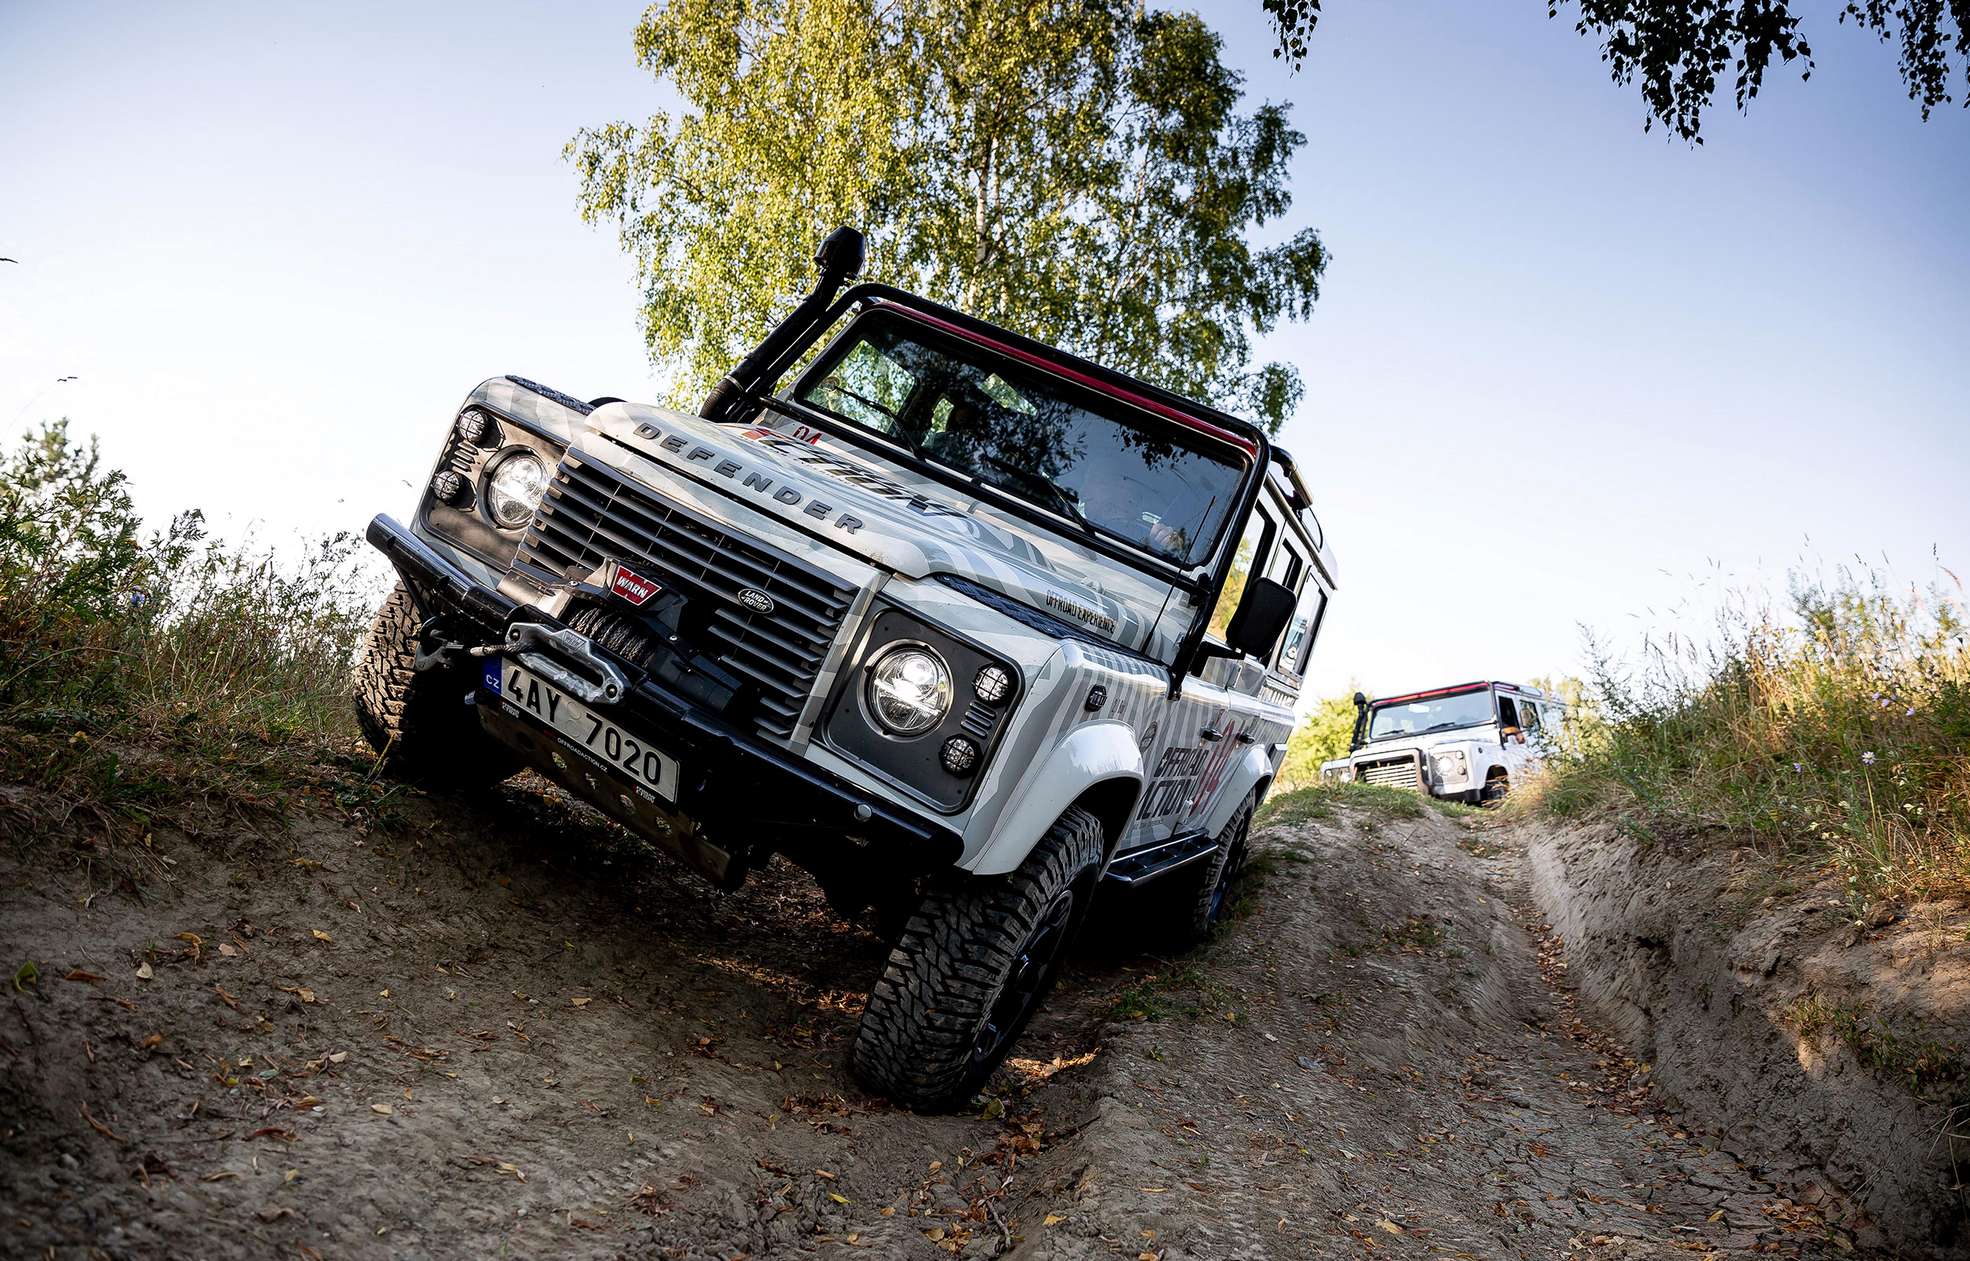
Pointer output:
497, 1034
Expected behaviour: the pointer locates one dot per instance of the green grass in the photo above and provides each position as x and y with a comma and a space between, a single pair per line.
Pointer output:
1181, 991
1919, 1063
1834, 727
1322, 802
144, 673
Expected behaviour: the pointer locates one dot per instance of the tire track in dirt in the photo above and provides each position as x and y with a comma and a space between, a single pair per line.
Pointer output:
491, 1029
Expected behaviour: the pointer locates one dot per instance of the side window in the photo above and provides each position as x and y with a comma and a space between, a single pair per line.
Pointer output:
1252, 548
1508, 714
1297, 644
1529, 711
1286, 566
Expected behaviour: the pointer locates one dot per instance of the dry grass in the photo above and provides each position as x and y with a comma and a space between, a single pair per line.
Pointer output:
1833, 725
144, 670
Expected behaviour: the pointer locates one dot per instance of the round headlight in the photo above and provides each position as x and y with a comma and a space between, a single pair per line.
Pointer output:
909, 690
514, 489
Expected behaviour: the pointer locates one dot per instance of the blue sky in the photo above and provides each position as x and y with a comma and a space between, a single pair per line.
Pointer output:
1563, 372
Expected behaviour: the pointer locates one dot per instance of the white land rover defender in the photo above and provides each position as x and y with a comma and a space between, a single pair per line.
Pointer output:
935, 618
1467, 743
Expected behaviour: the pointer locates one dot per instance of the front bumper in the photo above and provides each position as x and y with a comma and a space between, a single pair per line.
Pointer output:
733, 784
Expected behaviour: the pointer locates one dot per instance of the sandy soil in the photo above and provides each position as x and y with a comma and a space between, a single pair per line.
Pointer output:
1771, 1007
487, 1031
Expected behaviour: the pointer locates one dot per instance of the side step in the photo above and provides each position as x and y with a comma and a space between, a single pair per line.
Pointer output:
1151, 861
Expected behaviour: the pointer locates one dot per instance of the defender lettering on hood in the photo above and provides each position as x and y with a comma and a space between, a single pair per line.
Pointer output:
907, 523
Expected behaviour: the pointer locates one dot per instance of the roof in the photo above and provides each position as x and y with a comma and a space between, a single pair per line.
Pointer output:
1456, 689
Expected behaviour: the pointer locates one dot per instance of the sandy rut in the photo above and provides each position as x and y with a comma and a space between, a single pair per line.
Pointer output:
481, 1032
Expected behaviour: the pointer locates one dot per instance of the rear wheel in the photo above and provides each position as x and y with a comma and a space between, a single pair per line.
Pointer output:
418, 720
973, 964
1214, 888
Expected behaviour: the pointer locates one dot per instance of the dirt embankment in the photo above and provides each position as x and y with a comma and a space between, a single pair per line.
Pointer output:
484, 1030
1772, 1010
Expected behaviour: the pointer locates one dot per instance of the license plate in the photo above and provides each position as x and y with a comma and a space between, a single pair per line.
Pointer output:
587, 730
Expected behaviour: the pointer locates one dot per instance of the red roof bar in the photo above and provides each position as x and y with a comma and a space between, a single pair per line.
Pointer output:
1440, 691
1197, 423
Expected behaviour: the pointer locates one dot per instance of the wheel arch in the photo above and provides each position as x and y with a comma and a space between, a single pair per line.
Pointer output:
1098, 765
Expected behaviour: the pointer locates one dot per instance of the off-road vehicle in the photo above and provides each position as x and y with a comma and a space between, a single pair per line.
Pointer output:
1467, 743
968, 627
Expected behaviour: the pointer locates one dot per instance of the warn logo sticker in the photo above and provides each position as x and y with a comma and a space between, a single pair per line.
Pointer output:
633, 587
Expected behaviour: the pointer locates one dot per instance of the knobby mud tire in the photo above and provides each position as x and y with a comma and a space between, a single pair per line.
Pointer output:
919, 1037
1209, 894
417, 721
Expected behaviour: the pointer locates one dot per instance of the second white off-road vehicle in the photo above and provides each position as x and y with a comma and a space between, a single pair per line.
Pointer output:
937, 616
1467, 743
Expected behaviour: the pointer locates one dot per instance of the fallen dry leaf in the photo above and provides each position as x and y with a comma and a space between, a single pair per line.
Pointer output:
336, 1057
144, 972
98, 1126
196, 942
1389, 1226
226, 998
381, 1109
319, 935
1052, 1219
581, 1002
87, 978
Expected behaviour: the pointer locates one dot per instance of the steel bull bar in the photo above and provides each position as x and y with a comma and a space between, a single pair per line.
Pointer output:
732, 783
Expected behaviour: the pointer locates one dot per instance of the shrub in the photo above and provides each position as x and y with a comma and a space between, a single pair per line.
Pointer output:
1837, 724
132, 661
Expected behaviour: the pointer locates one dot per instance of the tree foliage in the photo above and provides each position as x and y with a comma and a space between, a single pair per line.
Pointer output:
1078, 170
1679, 49
1323, 735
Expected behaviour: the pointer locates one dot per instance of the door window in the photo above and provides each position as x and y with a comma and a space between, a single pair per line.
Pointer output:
1297, 644
1530, 713
1251, 556
1508, 714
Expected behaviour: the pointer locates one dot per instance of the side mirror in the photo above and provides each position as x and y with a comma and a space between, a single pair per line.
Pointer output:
1512, 733
1261, 618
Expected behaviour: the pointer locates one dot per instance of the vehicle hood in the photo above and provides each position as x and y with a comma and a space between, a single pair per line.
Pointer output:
890, 515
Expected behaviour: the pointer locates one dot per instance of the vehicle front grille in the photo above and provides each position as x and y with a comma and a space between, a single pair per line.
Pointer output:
1395, 772
590, 515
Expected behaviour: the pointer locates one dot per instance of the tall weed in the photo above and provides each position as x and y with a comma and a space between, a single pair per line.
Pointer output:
134, 664
1834, 724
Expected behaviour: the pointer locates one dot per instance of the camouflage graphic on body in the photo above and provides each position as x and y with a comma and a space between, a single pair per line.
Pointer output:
890, 534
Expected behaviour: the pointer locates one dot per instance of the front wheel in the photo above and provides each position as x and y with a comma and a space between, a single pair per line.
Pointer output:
417, 720
971, 967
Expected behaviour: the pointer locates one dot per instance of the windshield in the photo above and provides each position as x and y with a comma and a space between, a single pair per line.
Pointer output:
1439, 713
1075, 453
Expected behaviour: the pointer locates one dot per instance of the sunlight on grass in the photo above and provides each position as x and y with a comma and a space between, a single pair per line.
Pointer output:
1836, 725
139, 670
